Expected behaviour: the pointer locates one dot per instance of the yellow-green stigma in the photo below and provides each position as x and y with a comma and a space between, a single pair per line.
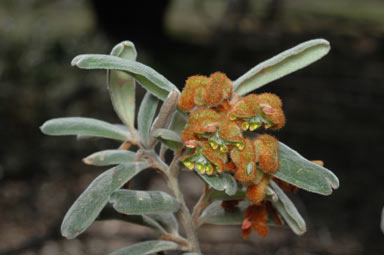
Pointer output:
254, 126
188, 164
223, 148
209, 169
240, 145
213, 144
232, 116
200, 167
245, 126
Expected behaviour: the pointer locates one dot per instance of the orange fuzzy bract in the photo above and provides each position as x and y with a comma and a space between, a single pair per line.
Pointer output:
230, 131
192, 85
188, 133
246, 107
267, 149
271, 99
278, 118
258, 216
215, 156
246, 156
203, 117
256, 192
219, 88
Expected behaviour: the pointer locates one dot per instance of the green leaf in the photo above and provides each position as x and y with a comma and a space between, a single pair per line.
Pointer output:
151, 80
121, 85
166, 112
169, 138
223, 182
222, 196
143, 202
288, 210
300, 172
147, 248
90, 203
163, 222
85, 126
283, 64
178, 122
216, 214
147, 112
110, 157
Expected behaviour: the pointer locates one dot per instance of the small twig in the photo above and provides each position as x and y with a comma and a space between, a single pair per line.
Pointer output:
200, 205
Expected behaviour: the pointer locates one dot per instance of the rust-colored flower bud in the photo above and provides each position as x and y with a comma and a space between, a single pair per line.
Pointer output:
256, 192
216, 157
255, 216
271, 107
267, 150
245, 107
188, 133
219, 88
192, 92
245, 159
271, 99
231, 133
203, 117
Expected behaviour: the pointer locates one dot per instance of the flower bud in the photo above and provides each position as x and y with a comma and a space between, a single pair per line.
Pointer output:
267, 150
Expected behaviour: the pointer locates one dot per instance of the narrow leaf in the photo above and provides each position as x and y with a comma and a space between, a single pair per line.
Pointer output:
169, 138
146, 114
85, 126
151, 80
110, 157
143, 202
163, 222
147, 248
223, 182
283, 64
165, 114
121, 85
216, 214
178, 122
298, 171
288, 210
90, 203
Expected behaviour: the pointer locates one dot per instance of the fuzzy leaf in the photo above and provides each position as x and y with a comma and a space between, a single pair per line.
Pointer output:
288, 210
166, 112
223, 182
121, 85
110, 157
178, 122
90, 203
169, 138
216, 214
85, 126
222, 196
143, 202
282, 64
151, 80
147, 248
146, 114
163, 222
300, 172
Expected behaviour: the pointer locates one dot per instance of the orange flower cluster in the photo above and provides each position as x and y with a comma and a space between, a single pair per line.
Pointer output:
215, 130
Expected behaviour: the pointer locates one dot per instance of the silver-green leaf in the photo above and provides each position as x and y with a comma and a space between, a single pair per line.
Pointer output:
110, 157
288, 210
147, 248
147, 112
168, 137
143, 202
283, 64
151, 80
178, 121
121, 85
90, 203
166, 112
217, 215
300, 172
223, 182
85, 126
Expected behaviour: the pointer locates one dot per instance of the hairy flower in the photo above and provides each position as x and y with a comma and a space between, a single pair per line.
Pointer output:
255, 218
267, 149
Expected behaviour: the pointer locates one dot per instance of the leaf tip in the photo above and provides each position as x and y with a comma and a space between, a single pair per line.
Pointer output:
76, 60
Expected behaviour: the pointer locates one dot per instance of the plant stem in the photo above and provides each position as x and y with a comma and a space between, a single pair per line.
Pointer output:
200, 205
185, 215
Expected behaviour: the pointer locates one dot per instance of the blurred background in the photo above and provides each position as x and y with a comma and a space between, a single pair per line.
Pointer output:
334, 111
